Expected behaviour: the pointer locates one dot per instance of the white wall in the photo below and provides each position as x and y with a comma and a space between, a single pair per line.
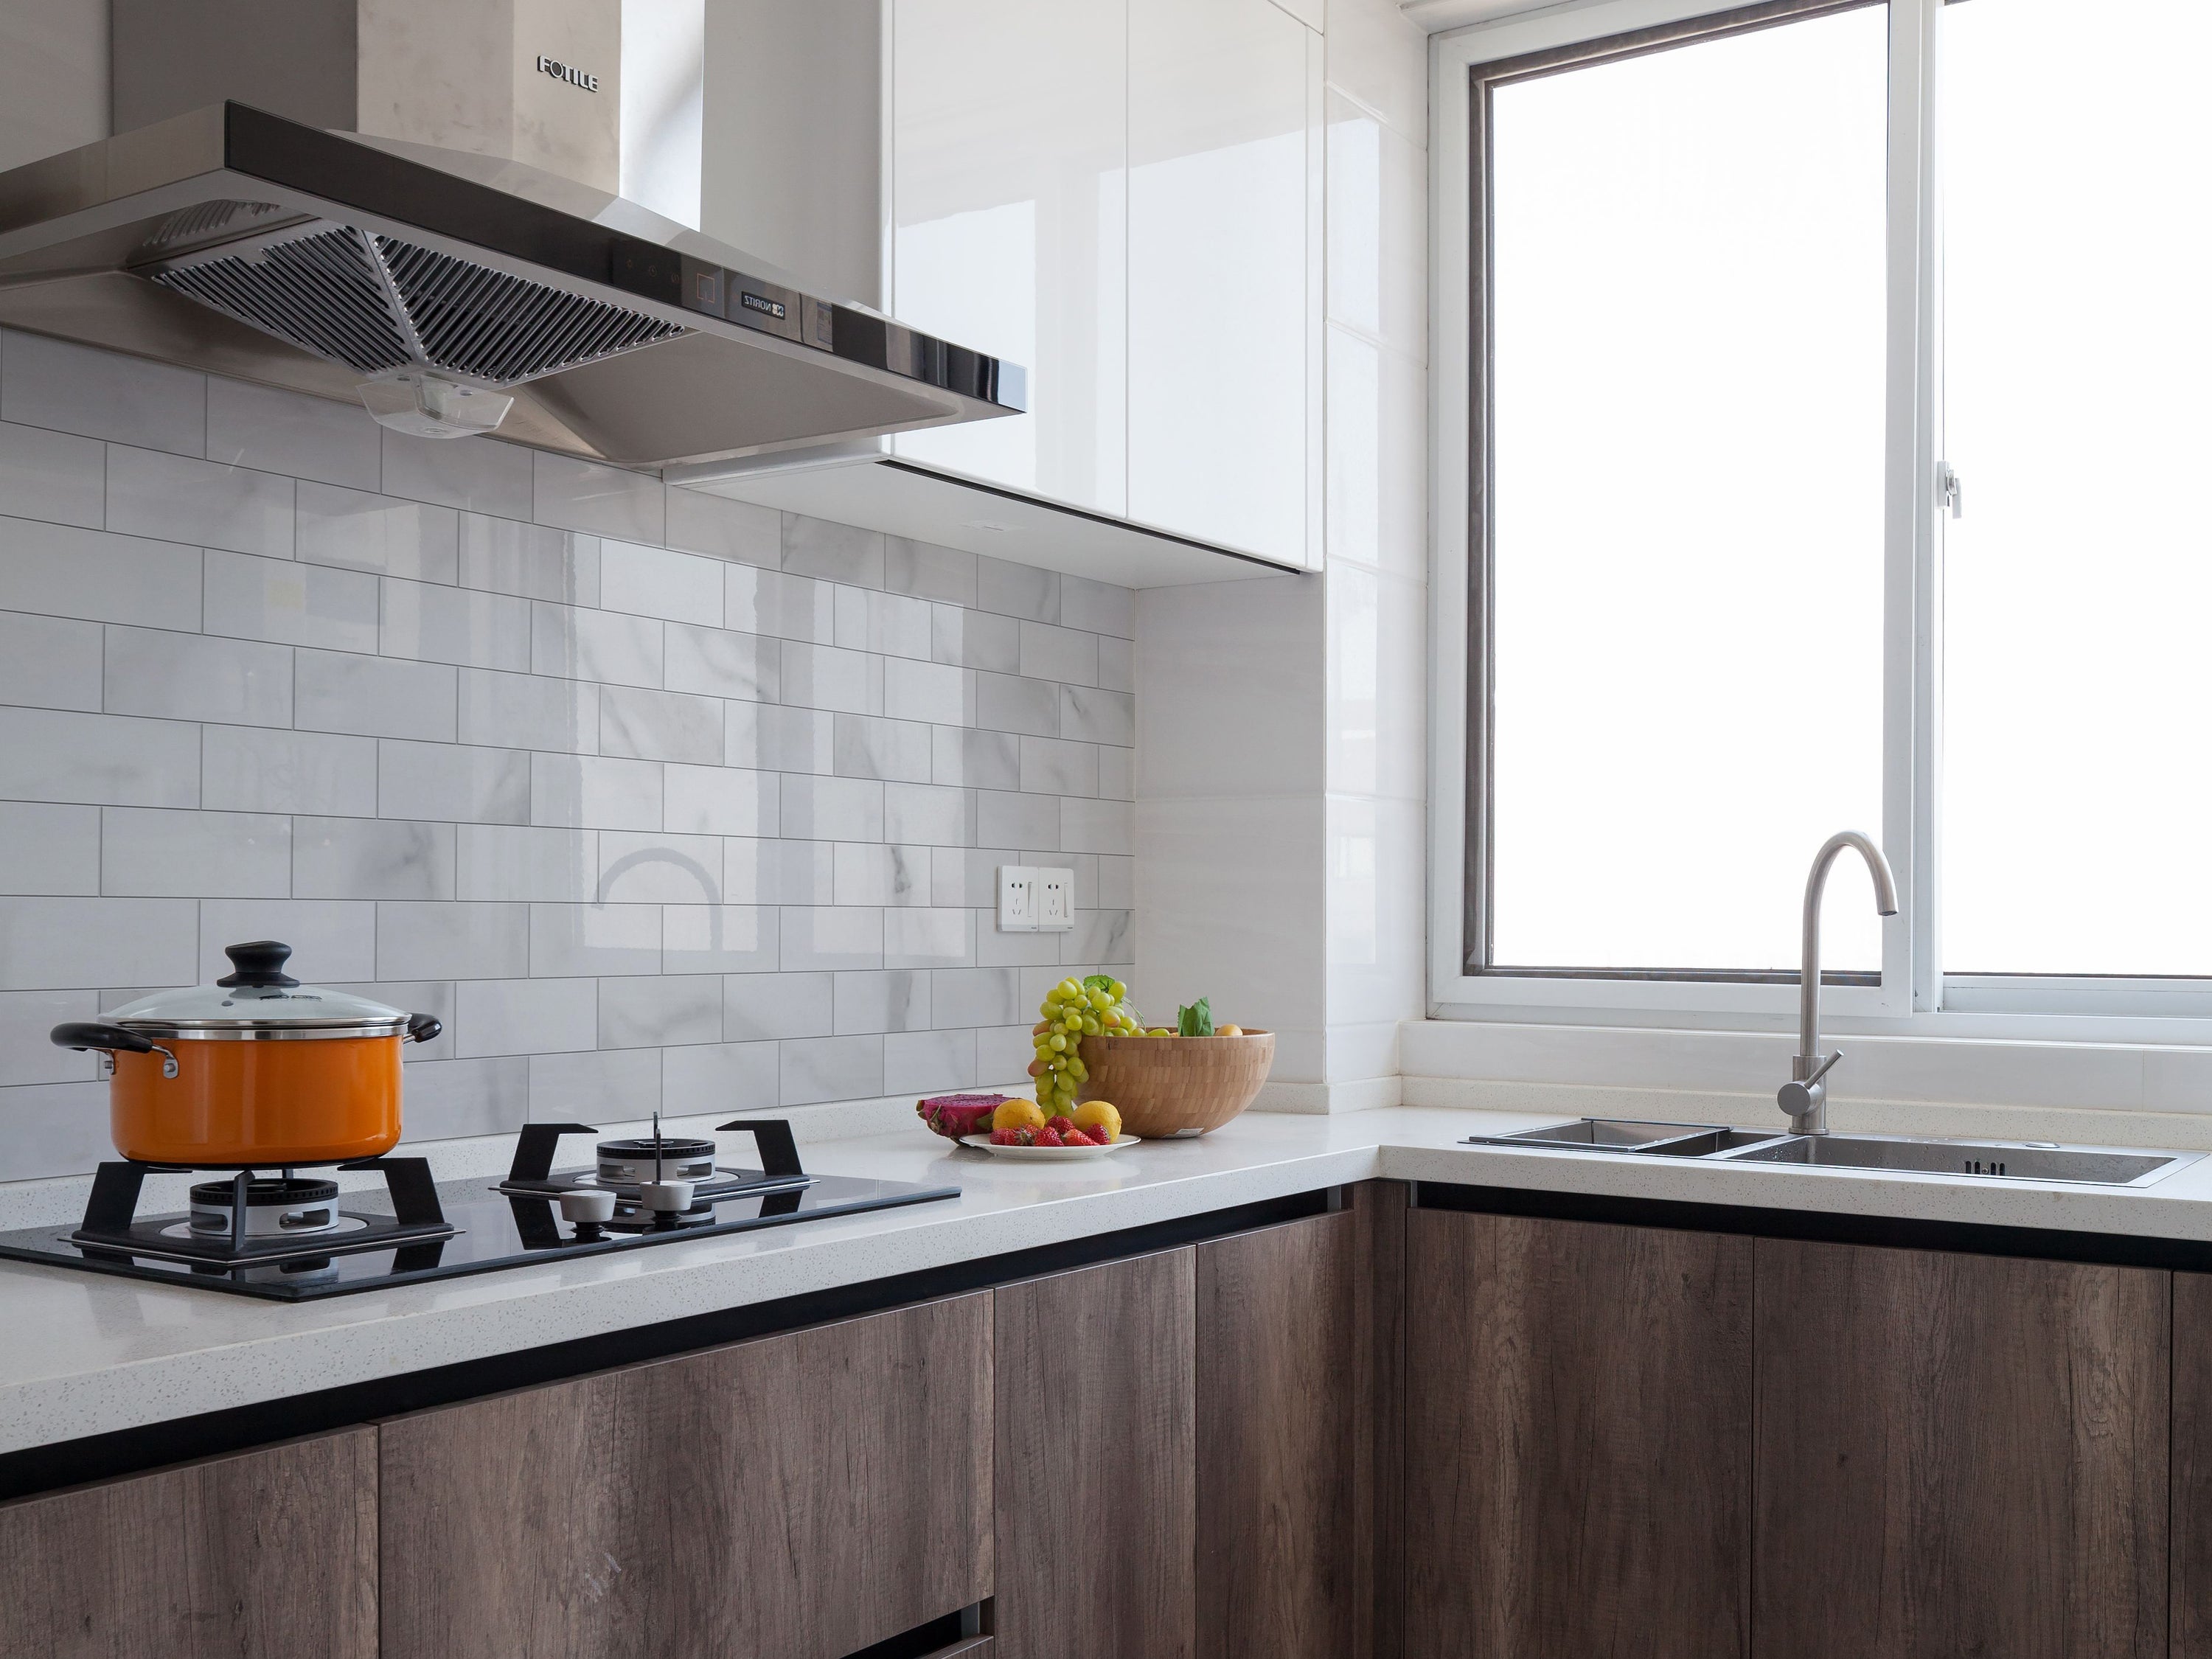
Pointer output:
53, 77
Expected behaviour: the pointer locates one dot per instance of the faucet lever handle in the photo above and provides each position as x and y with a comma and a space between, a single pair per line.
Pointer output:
1826, 1064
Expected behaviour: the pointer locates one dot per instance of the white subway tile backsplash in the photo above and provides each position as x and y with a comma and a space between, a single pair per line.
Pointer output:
614, 1083
49, 849
832, 1069
333, 941
716, 662
568, 940
362, 531
459, 625
449, 782
866, 747
102, 394
55, 1129
475, 477
596, 645
49, 662
450, 940
288, 602
720, 939
55, 943
652, 796
375, 697
526, 1016
287, 432
515, 863
758, 1007
371, 859
26, 1055
1017, 590
1117, 773
97, 759
52, 475
721, 800
191, 676
60, 570
525, 711
602, 501
701, 523
834, 552
175, 498
662, 869
587, 791
663, 726
718, 1077
167, 853
661, 1012
772, 737
923, 571
927, 1062
531, 561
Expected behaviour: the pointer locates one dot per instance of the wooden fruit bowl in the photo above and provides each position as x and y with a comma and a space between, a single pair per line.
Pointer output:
1177, 1085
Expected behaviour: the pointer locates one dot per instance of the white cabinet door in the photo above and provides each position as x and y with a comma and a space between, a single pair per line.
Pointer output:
1010, 195
1224, 289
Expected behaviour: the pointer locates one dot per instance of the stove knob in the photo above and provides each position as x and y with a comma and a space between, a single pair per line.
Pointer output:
668, 1197
587, 1208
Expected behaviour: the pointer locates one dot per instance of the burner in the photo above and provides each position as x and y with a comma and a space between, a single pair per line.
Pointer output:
275, 1208
626, 1165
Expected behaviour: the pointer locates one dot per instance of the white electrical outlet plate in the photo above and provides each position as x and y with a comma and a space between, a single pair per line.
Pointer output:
1055, 901
1017, 901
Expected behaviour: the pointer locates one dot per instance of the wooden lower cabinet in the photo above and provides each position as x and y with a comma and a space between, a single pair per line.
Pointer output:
2191, 1504
1960, 1455
797, 1497
270, 1554
1096, 1462
1578, 1442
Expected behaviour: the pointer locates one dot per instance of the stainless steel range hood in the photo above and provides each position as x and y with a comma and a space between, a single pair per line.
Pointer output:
236, 242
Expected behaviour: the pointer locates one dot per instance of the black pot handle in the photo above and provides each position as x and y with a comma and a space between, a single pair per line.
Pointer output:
421, 1028
110, 1039
113, 1039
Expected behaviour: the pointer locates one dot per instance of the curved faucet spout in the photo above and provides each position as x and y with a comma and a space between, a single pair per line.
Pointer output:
1805, 1098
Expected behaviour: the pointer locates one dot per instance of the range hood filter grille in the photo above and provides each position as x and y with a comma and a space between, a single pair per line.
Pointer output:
377, 304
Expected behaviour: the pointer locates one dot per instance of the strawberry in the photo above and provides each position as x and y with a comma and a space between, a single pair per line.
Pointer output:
1100, 1138
1049, 1136
1002, 1137
1063, 1124
1025, 1136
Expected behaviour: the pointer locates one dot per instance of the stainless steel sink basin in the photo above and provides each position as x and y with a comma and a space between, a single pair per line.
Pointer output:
1968, 1160
2007, 1160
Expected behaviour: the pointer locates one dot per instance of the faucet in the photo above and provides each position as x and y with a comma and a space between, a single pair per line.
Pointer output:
1805, 1098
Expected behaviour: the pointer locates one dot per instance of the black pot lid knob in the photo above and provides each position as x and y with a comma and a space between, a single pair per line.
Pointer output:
258, 963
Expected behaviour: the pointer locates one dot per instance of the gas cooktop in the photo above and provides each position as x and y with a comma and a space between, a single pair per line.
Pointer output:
290, 1238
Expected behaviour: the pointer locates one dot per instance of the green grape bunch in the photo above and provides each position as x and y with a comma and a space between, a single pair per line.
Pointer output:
1072, 1013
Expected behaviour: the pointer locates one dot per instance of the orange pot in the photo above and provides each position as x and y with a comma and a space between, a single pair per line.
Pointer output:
255, 1071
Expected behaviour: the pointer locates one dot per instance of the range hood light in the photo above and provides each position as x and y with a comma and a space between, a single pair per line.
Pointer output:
431, 406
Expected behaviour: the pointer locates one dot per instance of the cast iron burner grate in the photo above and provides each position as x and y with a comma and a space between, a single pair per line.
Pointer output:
112, 1219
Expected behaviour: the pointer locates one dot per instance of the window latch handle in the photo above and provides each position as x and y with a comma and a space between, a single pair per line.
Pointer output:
1949, 491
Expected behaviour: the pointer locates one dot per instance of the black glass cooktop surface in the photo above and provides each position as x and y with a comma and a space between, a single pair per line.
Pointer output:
491, 1229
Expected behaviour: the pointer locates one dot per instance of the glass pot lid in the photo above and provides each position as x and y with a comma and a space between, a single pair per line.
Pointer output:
258, 994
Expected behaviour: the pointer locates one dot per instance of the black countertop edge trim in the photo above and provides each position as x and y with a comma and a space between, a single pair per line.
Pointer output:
36, 1469
1819, 1226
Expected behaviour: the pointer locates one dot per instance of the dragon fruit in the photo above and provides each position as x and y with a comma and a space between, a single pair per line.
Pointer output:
955, 1116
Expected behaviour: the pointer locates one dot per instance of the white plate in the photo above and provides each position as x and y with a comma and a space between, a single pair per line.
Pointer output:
1048, 1154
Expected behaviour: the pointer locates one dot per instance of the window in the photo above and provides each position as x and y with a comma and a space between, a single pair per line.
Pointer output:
1832, 441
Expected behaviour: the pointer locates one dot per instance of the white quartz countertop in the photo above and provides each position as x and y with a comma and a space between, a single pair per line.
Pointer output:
87, 1353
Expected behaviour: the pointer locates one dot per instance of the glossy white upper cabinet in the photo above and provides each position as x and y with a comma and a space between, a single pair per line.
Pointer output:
1010, 225
1225, 280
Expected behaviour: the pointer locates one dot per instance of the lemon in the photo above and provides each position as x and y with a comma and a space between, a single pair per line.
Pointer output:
1017, 1114
1099, 1115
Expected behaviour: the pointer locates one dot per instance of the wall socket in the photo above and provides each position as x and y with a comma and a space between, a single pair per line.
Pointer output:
1036, 899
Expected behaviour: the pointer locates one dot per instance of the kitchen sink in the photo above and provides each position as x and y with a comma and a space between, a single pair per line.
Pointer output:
2013, 1160
1971, 1160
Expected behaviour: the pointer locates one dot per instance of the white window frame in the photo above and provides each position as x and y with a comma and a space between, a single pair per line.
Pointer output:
1913, 998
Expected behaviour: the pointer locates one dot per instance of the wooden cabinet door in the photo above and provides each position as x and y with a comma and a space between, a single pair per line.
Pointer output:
268, 1555
1224, 286
800, 1497
1959, 1455
1577, 1440
2191, 1506
1286, 1409
1095, 1462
